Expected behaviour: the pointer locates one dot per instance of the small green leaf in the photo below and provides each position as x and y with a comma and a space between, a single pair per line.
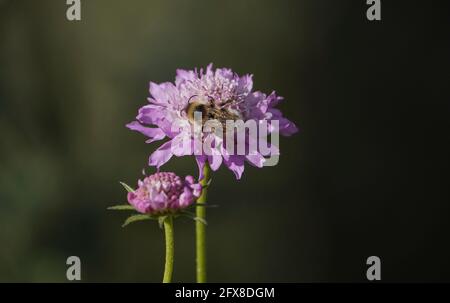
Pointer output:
201, 220
161, 220
208, 183
193, 217
203, 205
127, 187
121, 207
135, 218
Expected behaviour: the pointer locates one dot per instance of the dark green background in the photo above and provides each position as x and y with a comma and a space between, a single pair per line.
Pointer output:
366, 175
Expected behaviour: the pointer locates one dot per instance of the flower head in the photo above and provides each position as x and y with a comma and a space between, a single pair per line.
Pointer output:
220, 95
163, 193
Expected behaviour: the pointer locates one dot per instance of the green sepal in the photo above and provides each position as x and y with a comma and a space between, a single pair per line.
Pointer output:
135, 218
127, 187
193, 217
121, 207
203, 205
161, 220
207, 184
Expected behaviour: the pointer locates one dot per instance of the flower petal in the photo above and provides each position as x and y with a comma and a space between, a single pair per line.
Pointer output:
184, 75
163, 93
189, 180
161, 155
215, 161
154, 134
236, 164
182, 145
256, 159
186, 197
245, 84
196, 189
287, 128
201, 160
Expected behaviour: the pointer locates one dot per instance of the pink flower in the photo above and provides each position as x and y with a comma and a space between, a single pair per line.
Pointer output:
164, 192
219, 95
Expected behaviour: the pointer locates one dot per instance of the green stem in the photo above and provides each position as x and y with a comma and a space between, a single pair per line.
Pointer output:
168, 269
200, 228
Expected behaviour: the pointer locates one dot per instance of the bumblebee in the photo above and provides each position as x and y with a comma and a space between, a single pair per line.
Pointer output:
210, 110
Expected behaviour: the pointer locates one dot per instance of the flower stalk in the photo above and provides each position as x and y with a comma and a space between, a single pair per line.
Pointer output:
200, 227
168, 268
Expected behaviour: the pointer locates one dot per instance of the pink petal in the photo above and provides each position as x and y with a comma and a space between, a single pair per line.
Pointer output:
186, 197
236, 164
215, 161
154, 134
256, 159
161, 155
201, 160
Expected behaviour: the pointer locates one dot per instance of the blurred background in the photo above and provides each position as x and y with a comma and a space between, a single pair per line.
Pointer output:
367, 175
